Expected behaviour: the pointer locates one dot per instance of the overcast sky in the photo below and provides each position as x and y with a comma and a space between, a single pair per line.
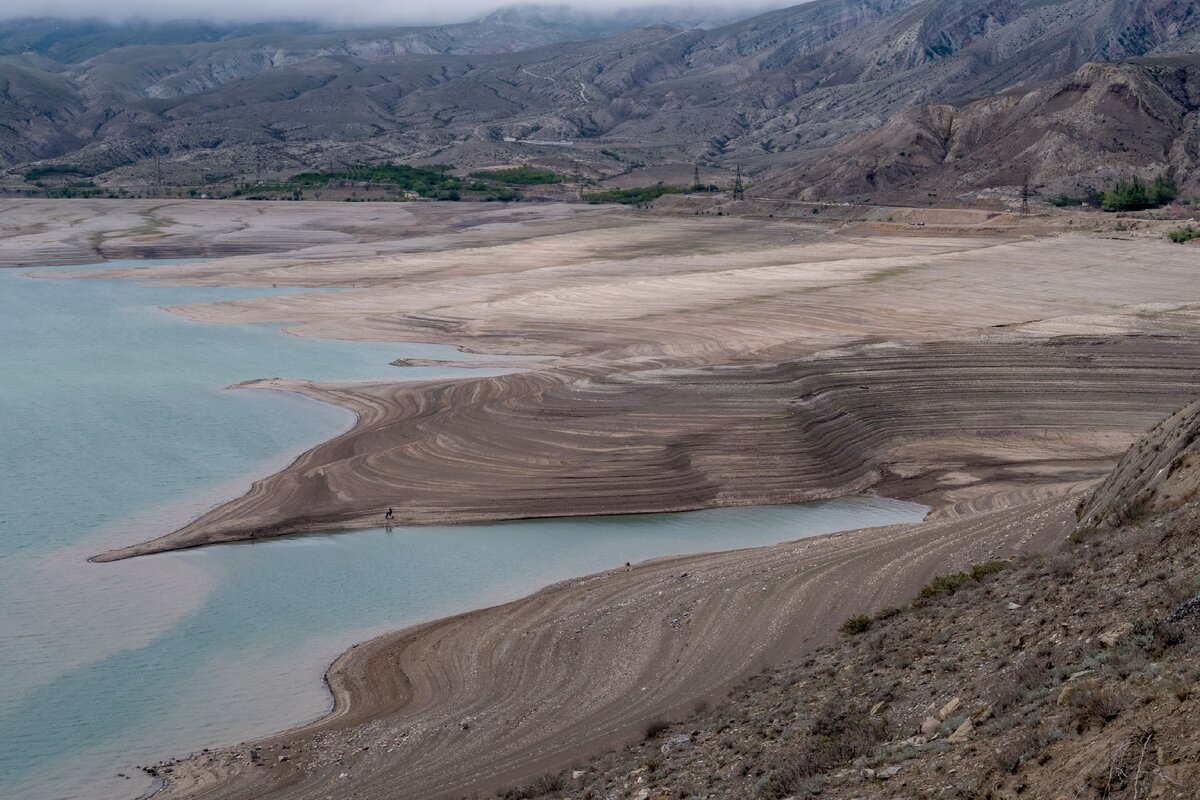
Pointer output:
335, 11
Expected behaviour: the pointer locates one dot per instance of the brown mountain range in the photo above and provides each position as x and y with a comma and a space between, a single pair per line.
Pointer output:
828, 99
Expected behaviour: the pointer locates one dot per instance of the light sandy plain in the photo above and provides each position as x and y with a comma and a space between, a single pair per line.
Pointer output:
689, 361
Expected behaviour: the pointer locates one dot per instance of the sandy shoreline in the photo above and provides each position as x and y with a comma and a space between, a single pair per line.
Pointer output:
525, 676
700, 363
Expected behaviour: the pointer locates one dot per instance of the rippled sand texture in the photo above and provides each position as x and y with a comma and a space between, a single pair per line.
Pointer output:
583, 665
704, 361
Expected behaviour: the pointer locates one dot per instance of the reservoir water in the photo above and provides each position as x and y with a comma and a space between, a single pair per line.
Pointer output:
116, 426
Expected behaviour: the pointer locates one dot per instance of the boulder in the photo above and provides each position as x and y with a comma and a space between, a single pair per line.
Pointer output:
1111, 637
676, 743
930, 725
962, 732
953, 705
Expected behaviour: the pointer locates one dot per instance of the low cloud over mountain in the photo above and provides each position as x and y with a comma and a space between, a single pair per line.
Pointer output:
357, 12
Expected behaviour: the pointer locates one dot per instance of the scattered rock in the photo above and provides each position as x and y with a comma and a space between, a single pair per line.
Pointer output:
878, 708
676, 743
889, 772
1185, 610
1111, 637
962, 732
953, 705
1013, 606
281, 759
930, 726
577, 774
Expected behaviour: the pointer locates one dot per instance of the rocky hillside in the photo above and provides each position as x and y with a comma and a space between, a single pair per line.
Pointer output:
1102, 123
772, 93
1155, 476
1072, 675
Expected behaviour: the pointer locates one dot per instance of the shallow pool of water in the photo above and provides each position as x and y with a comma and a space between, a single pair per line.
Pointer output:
115, 426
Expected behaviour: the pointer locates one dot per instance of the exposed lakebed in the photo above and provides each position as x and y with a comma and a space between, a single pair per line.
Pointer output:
115, 426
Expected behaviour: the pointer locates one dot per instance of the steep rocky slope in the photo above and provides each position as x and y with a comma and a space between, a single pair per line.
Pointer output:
1158, 474
1102, 123
1066, 675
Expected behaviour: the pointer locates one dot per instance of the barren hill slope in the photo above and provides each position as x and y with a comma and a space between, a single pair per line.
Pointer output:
770, 92
1085, 131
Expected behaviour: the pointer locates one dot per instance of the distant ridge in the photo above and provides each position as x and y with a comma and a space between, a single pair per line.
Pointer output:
905, 97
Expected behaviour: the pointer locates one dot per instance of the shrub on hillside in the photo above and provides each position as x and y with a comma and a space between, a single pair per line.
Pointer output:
633, 197
1184, 235
941, 586
982, 570
522, 176
1134, 195
840, 733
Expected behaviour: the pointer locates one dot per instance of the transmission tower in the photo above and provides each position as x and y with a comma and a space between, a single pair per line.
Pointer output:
578, 181
696, 175
739, 191
1025, 194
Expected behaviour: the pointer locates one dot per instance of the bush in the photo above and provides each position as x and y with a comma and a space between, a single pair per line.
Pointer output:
981, 571
941, 586
1133, 195
856, 625
1096, 703
36, 173
1184, 235
635, 196
520, 176
543, 785
840, 733
656, 727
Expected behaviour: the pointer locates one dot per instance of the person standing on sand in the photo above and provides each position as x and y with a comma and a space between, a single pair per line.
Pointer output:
389, 514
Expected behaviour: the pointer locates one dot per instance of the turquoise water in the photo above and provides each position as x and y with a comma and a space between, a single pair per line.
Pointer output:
115, 426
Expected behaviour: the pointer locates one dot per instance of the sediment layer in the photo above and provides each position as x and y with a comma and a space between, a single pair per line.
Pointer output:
567, 442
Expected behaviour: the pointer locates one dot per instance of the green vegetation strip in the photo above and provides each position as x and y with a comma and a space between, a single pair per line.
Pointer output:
519, 176
941, 586
635, 196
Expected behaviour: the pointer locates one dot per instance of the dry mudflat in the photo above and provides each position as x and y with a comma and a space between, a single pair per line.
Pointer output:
687, 361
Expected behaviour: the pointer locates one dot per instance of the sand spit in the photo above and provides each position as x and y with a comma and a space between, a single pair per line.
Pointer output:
560, 442
706, 362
